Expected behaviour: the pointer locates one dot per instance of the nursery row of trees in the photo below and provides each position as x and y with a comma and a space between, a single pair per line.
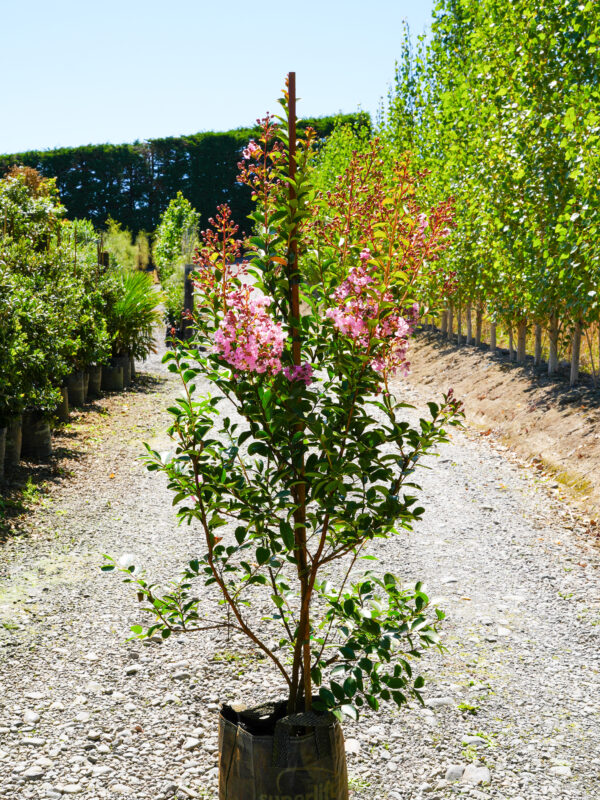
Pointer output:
133, 183
502, 106
61, 310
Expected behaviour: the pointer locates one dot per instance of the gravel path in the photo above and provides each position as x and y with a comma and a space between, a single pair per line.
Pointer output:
513, 707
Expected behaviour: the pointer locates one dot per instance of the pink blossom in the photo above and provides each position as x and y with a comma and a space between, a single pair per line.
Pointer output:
247, 338
252, 150
388, 338
299, 372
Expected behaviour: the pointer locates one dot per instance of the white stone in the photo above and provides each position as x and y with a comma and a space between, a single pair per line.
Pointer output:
91, 656
454, 772
476, 775
191, 744
353, 746
438, 702
33, 773
561, 771
31, 717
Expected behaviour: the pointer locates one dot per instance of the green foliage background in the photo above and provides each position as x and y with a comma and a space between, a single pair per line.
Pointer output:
133, 183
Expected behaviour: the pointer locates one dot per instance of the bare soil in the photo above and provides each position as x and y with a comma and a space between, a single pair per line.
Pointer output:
541, 419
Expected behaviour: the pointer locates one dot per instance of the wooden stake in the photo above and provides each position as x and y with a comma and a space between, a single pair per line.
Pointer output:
293, 250
300, 488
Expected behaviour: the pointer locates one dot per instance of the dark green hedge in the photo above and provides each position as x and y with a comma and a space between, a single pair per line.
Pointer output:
133, 183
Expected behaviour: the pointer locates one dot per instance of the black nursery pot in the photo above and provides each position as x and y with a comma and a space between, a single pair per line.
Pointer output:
125, 363
14, 436
37, 436
112, 378
264, 754
95, 380
62, 409
76, 388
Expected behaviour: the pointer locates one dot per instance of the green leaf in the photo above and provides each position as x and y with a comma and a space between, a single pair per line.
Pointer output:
262, 555
287, 534
327, 697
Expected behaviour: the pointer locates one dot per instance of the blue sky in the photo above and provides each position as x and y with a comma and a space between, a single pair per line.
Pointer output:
89, 72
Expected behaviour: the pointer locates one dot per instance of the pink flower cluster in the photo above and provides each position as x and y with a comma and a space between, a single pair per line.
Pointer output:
247, 338
252, 150
299, 372
357, 306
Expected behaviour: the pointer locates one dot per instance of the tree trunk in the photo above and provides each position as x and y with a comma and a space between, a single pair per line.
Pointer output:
450, 332
492, 337
575, 352
511, 346
537, 359
469, 326
459, 327
444, 323
553, 356
522, 341
478, 326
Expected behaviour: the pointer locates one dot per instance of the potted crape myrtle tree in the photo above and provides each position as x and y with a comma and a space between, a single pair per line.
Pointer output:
301, 461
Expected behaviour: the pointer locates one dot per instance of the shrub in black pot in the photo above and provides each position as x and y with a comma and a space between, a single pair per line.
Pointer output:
300, 462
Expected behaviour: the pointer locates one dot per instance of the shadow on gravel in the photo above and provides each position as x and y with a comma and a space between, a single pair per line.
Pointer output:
556, 388
28, 485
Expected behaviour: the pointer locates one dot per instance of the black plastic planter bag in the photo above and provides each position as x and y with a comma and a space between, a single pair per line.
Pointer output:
266, 755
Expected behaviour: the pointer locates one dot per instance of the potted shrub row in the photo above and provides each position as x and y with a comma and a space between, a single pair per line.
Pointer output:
62, 315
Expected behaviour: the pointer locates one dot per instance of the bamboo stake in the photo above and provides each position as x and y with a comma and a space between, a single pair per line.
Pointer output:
459, 327
300, 488
450, 331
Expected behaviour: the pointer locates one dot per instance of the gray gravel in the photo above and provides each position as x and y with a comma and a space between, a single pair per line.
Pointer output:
512, 705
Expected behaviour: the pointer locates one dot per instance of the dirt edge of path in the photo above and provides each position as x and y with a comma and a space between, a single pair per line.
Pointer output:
554, 427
